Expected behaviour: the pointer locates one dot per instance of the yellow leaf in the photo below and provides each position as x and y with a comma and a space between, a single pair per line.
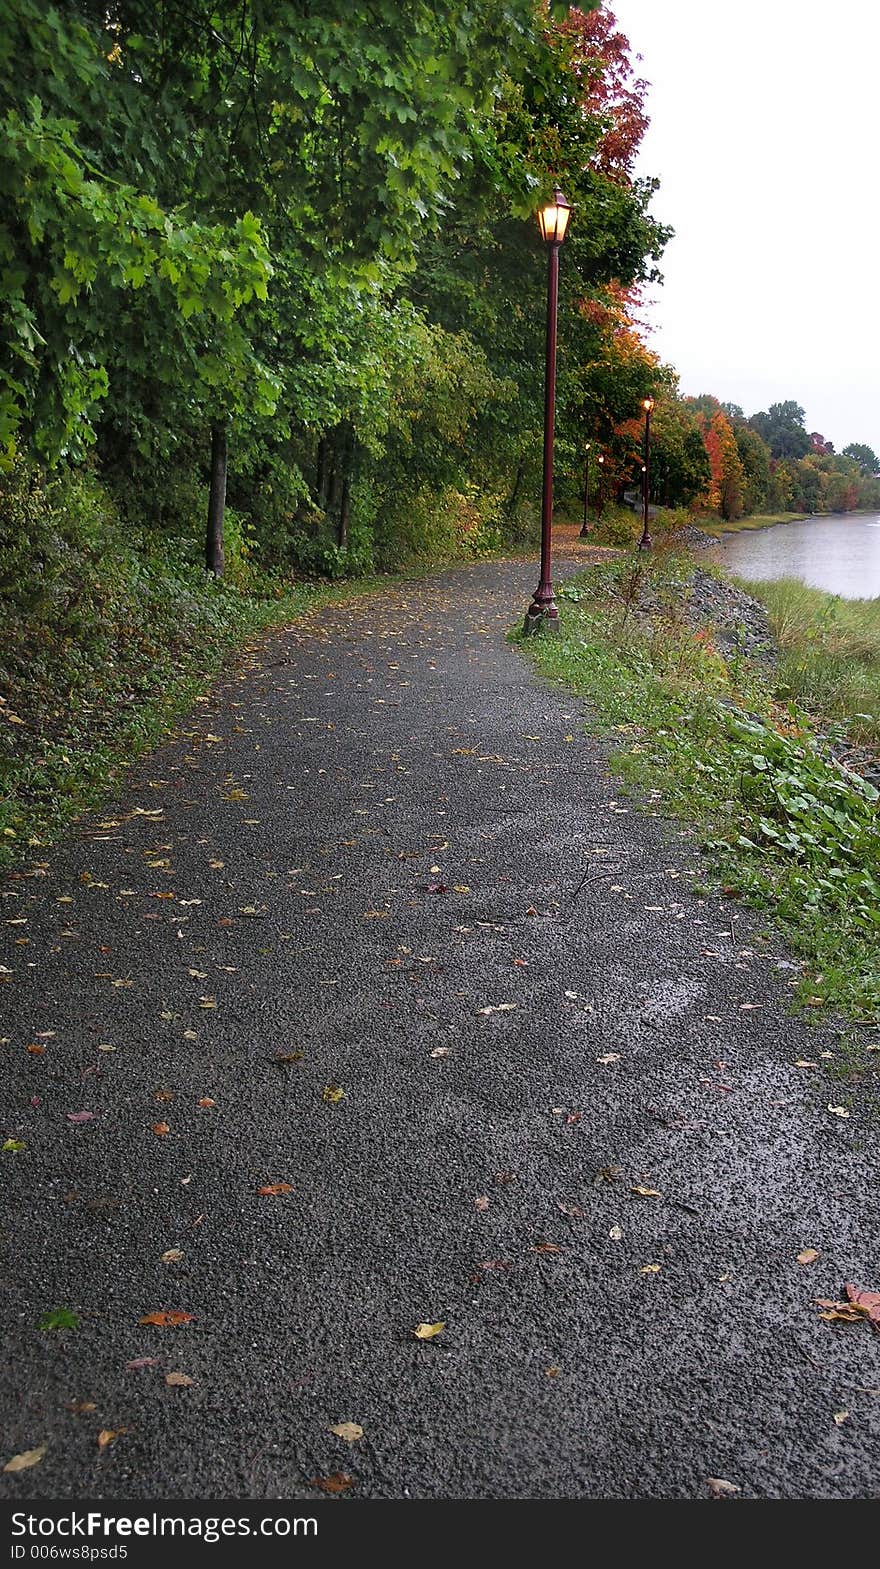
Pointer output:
646, 1193
428, 1331
650, 1269
332, 1093
350, 1431
26, 1459
107, 1435
808, 1256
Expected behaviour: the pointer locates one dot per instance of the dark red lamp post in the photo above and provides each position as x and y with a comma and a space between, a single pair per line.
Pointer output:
645, 541
542, 614
585, 527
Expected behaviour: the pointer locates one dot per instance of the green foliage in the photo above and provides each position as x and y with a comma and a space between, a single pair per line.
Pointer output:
784, 822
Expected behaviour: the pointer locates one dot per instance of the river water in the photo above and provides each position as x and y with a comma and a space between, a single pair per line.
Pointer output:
839, 554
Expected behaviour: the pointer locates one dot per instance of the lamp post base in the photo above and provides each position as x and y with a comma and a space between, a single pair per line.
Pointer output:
541, 618
645, 542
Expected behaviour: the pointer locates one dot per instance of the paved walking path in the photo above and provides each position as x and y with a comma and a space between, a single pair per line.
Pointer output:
569, 1124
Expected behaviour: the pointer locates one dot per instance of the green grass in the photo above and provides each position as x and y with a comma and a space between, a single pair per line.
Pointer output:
757, 520
782, 824
829, 654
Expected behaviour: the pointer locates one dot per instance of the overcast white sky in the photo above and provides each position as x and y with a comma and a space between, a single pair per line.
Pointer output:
764, 133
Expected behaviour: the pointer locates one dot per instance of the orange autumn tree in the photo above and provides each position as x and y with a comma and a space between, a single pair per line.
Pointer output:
727, 485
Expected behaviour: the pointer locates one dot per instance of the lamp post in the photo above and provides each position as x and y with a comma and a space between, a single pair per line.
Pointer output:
645, 541
542, 614
585, 528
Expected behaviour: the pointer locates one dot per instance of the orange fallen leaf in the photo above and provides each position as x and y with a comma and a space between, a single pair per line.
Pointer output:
108, 1434
339, 1482
842, 1312
166, 1318
179, 1380
272, 1189
206, 1101
350, 1431
546, 1247
35, 1051
160, 1129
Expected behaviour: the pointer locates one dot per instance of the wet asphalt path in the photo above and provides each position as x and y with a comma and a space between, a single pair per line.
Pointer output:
372, 832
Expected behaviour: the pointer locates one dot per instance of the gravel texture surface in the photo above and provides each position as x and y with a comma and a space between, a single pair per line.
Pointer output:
571, 1127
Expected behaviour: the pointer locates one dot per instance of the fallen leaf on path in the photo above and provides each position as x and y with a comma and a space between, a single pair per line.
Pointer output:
135, 1365
108, 1434
350, 1431
272, 1189
866, 1301
172, 1256
838, 1111
440, 1051
610, 1056
179, 1380
808, 1256
81, 1116
481, 1203
288, 1056
428, 1331
332, 1093
842, 1312
499, 1007
80, 1407
166, 1318
804, 1062
26, 1459
552, 1372
573, 1211
650, 1269
545, 1247
206, 1102
646, 1193
719, 1487
615, 1234
840, 1417
13, 1146
339, 1482
161, 1129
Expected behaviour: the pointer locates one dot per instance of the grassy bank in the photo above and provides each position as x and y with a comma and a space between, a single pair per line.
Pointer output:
829, 654
105, 638
783, 825
756, 520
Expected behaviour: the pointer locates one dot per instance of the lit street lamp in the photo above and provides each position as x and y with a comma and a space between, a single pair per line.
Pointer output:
600, 459
542, 614
645, 541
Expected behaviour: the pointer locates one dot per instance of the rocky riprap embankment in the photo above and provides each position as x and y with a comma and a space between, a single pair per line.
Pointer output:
740, 623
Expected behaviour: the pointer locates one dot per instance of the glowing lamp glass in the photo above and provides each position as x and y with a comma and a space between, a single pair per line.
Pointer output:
553, 219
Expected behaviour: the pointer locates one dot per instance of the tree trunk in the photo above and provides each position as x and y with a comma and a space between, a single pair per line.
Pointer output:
344, 510
512, 499
216, 499
321, 474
